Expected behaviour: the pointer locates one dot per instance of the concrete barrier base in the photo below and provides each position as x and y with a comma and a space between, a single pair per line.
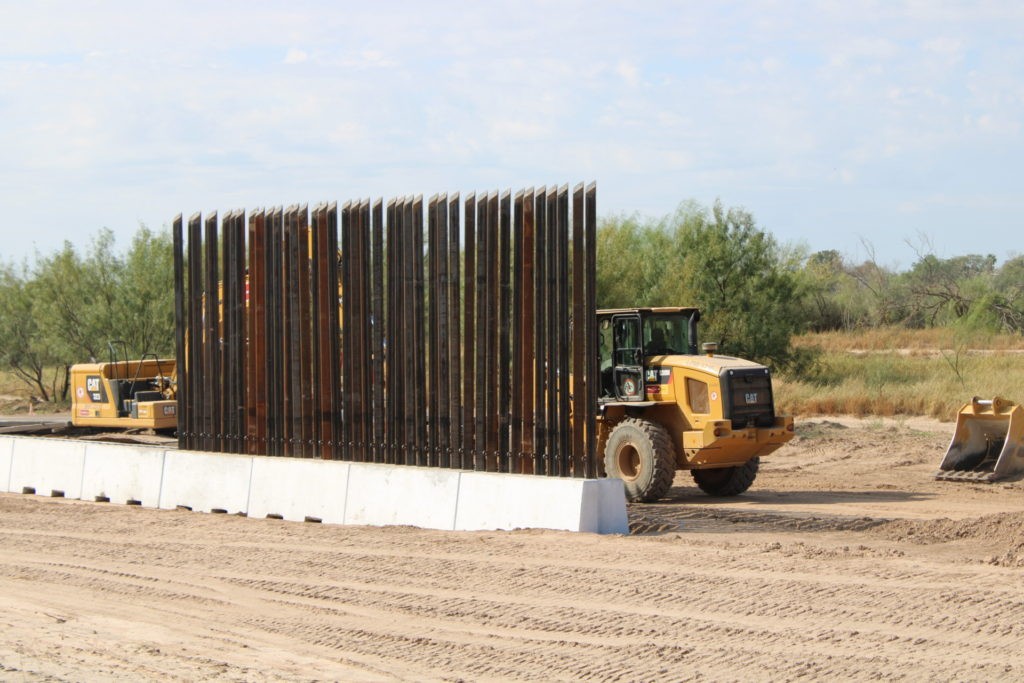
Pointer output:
298, 489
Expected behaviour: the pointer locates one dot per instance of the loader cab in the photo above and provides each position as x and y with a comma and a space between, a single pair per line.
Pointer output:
629, 338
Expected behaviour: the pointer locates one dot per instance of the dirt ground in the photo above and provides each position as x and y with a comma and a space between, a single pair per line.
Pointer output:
845, 561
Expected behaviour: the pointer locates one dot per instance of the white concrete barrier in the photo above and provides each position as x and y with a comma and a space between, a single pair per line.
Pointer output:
123, 473
205, 482
517, 501
6, 451
333, 492
50, 466
297, 488
381, 495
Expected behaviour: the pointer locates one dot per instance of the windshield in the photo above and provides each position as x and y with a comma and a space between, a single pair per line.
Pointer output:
666, 333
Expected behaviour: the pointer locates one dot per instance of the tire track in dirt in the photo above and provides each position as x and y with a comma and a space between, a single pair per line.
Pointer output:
838, 568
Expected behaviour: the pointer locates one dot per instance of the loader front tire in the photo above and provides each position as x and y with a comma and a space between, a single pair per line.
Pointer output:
727, 481
640, 453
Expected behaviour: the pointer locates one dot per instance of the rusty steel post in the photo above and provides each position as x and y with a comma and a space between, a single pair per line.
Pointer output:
455, 444
580, 382
440, 298
504, 365
540, 297
255, 381
377, 378
593, 368
179, 331
527, 325
393, 375
470, 329
564, 367
517, 331
274, 331
211, 341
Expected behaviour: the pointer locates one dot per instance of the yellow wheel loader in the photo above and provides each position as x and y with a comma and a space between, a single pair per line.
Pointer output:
988, 443
664, 407
123, 394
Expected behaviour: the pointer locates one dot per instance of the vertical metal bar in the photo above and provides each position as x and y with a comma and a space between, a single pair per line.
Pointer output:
180, 324
227, 331
551, 421
318, 331
580, 384
304, 320
542, 459
493, 409
347, 327
419, 344
593, 366
519, 329
211, 341
253, 360
528, 318
233, 336
292, 286
377, 331
564, 367
503, 274
563, 337
195, 358
363, 319
357, 302
483, 307
271, 318
454, 335
225, 310
240, 332
334, 331
433, 343
409, 349
469, 378
439, 252
393, 375
278, 358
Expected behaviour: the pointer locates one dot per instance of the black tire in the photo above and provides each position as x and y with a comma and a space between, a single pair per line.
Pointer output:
727, 481
640, 453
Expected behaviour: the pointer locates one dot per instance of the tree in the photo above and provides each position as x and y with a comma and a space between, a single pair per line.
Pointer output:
145, 298
23, 347
719, 260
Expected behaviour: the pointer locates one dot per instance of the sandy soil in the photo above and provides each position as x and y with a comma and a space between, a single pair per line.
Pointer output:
846, 561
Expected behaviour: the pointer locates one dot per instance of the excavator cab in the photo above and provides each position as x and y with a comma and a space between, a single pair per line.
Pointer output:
124, 393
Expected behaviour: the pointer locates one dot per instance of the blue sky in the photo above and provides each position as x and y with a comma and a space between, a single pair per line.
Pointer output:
853, 126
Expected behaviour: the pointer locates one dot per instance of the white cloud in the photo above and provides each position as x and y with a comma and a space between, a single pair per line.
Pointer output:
759, 103
295, 56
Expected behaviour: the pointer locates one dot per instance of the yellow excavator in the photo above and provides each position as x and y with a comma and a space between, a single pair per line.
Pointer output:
123, 394
988, 443
664, 407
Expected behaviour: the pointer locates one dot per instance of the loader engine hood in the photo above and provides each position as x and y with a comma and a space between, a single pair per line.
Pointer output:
746, 387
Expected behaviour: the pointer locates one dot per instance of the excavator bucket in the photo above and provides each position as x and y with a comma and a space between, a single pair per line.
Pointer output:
988, 443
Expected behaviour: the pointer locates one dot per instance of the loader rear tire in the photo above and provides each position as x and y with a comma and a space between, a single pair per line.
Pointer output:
640, 453
727, 481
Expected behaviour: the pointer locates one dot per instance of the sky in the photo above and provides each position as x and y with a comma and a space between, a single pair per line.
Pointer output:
878, 129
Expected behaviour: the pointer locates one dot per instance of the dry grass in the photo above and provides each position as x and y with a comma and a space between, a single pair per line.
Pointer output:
16, 397
892, 338
903, 372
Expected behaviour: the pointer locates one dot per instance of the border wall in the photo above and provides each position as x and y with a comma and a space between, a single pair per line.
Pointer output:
455, 333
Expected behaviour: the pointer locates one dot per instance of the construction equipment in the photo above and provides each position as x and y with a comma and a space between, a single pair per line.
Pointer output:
988, 444
663, 407
125, 393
